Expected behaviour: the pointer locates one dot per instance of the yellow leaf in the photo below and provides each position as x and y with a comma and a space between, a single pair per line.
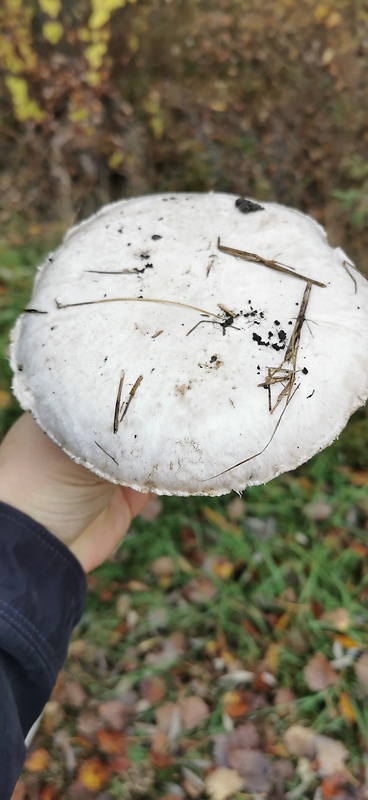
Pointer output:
92, 77
24, 107
78, 114
321, 12
345, 707
102, 10
218, 105
52, 32
95, 54
37, 761
334, 19
93, 774
50, 7
327, 56
271, 658
84, 35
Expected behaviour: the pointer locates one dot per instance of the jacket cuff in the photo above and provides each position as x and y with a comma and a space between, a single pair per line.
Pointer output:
43, 591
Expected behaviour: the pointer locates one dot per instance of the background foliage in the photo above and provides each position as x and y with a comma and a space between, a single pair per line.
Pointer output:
107, 98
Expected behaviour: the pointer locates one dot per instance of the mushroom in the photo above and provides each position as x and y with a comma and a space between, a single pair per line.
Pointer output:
193, 343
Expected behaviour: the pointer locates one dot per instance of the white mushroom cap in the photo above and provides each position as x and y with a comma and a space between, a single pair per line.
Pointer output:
160, 361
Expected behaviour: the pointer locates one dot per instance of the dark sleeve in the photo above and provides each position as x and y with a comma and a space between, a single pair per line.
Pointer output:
42, 594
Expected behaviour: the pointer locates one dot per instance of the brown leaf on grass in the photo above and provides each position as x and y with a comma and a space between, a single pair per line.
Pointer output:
245, 736
163, 566
160, 755
199, 590
222, 783
49, 793
235, 704
338, 619
284, 701
236, 509
193, 710
254, 767
361, 671
319, 674
113, 743
94, 774
172, 647
114, 713
37, 761
72, 694
317, 511
88, 724
153, 688
300, 741
330, 753
52, 716
166, 715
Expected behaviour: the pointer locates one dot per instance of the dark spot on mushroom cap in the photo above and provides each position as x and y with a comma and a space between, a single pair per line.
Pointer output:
247, 206
276, 322
281, 335
305, 371
156, 236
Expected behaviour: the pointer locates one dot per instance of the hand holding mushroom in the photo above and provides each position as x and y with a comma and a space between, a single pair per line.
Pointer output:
85, 512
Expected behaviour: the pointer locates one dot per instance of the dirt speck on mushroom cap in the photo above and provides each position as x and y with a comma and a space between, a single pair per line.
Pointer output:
162, 362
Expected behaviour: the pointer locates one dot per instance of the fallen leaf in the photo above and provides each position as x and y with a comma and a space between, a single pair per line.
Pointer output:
222, 783
234, 703
284, 701
199, 590
52, 716
153, 688
245, 736
346, 709
236, 509
163, 566
338, 619
219, 566
331, 756
160, 755
254, 767
300, 741
88, 724
164, 715
113, 712
111, 742
319, 674
37, 761
5, 399
49, 793
193, 711
93, 774
361, 670
317, 511
72, 694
